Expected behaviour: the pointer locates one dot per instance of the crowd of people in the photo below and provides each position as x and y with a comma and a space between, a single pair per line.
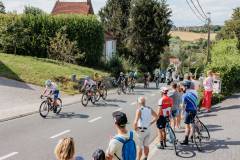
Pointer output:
180, 102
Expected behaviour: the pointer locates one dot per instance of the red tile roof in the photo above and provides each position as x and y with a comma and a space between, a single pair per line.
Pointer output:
73, 8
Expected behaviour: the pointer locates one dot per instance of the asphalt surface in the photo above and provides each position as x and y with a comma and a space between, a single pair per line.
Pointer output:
33, 137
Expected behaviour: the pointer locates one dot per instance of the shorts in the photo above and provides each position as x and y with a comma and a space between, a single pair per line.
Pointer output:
161, 122
55, 94
175, 113
144, 138
189, 117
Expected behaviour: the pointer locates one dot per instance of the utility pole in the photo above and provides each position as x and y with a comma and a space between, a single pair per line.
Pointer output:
209, 36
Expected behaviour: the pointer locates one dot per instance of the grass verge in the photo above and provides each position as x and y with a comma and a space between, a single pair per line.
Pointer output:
37, 70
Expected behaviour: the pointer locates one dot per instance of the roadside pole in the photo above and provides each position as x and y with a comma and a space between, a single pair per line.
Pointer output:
209, 41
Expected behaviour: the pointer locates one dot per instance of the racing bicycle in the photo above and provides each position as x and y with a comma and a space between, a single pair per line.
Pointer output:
47, 105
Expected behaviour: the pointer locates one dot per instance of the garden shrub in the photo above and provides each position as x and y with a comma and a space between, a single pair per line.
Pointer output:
226, 61
30, 35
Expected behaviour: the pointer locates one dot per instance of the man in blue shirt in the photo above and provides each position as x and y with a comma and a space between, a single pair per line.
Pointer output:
189, 102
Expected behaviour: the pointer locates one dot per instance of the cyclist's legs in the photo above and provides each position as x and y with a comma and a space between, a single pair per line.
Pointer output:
55, 94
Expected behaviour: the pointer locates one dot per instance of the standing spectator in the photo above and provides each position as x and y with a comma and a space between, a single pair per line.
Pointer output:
208, 90
98, 155
122, 146
175, 95
65, 150
189, 103
142, 123
165, 104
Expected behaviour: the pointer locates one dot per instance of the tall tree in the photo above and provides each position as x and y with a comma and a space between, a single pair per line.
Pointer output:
2, 8
32, 10
115, 17
149, 29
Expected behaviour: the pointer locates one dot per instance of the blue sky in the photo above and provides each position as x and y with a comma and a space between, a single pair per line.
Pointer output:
182, 15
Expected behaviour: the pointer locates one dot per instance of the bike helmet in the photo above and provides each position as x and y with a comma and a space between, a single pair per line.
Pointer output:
164, 90
121, 73
187, 84
87, 77
48, 83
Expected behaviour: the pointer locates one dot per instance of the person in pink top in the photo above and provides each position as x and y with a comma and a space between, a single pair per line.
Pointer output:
208, 91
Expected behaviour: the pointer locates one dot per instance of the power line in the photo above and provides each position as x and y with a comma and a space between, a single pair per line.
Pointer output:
198, 10
201, 8
195, 12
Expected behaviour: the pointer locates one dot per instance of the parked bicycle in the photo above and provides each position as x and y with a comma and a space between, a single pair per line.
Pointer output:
200, 133
171, 135
88, 95
47, 105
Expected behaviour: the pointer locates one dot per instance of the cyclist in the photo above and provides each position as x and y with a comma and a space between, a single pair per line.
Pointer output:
131, 79
146, 78
121, 79
98, 79
189, 103
165, 104
89, 84
52, 89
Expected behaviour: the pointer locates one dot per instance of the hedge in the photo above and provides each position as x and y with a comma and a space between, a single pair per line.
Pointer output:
226, 61
30, 35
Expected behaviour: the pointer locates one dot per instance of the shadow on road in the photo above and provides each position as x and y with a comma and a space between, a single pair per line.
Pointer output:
68, 115
104, 104
213, 128
8, 73
116, 100
219, 108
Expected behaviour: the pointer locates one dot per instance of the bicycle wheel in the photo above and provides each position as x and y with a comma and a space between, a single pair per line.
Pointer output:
173, 139
93, 98
197, 138
85, 100
104, 94
59, 107
97, 96
203, 130
44, 109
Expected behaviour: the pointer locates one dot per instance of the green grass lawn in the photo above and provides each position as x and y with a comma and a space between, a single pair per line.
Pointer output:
36, 70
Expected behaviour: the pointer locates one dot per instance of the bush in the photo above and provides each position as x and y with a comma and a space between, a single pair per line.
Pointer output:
226, 61
115, 66
30, 35
62, 49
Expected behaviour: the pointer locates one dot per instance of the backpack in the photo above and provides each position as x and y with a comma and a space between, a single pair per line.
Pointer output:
128, 149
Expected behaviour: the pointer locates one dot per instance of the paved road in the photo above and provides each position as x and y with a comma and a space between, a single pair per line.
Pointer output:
32, 137
223, 124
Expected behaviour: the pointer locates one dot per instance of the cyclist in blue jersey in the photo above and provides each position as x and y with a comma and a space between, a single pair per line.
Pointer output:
189, 103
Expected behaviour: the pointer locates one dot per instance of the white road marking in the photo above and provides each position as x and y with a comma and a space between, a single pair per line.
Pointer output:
8, 155
95, 119
119, 109
133, 103
59, 134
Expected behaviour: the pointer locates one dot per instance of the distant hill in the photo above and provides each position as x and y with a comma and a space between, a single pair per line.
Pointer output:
191, 36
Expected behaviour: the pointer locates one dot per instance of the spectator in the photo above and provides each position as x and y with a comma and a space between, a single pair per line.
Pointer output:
98, 155
141, 125
189, 102
208, 89
65, 149
165, 104
175, 95
123, 145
